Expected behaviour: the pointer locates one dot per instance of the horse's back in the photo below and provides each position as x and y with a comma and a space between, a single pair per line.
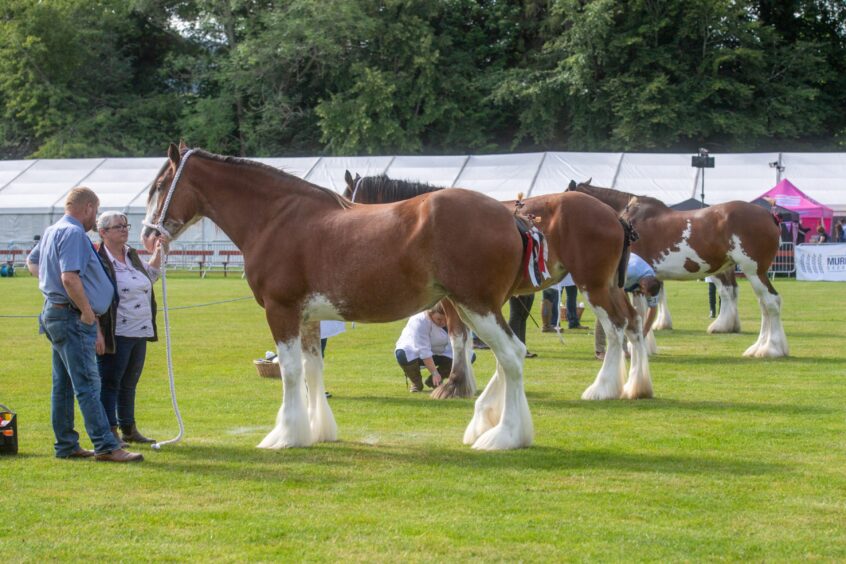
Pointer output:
584, 234
471, 232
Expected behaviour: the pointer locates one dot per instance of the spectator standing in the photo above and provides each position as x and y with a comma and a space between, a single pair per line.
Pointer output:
127, 326
571, 303
77, 289
521, 306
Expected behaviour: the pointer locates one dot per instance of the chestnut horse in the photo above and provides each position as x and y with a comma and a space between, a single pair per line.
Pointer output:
689, 245
585, 238
310, 254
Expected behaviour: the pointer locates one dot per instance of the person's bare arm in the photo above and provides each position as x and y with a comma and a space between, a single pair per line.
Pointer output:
430, 365
650, 319
156, 258
32, 267
73, 286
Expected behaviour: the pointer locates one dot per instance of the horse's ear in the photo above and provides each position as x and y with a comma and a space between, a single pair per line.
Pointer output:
572, 185
182, 145
173, 154
589, 180
348, 178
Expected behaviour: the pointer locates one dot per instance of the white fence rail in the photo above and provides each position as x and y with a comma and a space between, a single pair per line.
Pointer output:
204, 257
226, 258
199, 257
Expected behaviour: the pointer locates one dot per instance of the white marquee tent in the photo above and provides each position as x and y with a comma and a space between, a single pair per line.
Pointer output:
32, 192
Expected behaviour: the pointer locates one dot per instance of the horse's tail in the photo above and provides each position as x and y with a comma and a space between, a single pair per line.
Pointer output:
629, 237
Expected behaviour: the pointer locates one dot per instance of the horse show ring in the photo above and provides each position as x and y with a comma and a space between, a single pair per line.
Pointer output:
727, 444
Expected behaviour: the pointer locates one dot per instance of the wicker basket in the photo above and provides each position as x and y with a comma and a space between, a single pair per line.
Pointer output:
267, 369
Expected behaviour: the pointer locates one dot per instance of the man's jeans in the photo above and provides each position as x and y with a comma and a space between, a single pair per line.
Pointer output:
120, 373
75, 373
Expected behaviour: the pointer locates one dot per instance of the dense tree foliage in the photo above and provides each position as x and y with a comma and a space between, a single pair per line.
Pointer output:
287, 77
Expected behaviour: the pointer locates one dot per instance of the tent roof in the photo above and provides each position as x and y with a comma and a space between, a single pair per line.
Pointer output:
689, 204
783, 213
787, 195
39, 186
822, 176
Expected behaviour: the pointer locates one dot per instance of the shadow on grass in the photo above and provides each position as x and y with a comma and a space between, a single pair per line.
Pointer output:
672, 357
544, 399
659, 404
332, 463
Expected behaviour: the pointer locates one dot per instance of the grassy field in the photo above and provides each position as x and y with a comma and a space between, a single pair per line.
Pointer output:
735, 459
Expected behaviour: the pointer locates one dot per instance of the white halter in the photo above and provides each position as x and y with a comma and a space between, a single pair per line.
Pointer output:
159, 225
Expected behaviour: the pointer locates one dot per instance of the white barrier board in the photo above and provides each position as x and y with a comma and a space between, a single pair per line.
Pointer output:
821, 262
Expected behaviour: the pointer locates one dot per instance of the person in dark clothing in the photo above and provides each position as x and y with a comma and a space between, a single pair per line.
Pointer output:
521, 306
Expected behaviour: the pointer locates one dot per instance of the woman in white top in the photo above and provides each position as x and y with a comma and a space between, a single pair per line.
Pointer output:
125, 329
425, 342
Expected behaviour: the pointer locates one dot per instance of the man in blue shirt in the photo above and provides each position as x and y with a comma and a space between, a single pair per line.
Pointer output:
640, 279
76, 290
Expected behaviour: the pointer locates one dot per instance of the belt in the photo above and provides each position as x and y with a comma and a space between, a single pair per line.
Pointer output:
69, 306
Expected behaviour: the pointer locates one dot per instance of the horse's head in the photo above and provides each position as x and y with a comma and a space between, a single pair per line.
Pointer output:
181, 210
351, 185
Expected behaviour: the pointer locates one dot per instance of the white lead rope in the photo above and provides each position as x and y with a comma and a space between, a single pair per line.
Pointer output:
161, 228
178, 437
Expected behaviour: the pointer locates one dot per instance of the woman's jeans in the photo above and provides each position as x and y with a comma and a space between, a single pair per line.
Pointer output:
75, 373
120, 373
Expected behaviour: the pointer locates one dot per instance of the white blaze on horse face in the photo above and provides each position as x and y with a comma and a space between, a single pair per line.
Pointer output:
672, 263
318, 306
152, 206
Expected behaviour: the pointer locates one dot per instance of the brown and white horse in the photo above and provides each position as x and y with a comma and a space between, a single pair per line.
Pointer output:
585, 238
689, 245
310, 254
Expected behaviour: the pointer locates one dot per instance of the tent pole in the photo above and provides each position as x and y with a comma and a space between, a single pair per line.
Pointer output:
457, 176
535, 176
617, 171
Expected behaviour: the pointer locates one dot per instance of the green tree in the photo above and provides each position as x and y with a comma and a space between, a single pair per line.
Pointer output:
648, 74
71, 78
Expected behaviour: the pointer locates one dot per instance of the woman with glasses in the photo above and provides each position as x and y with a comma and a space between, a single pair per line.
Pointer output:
127, 326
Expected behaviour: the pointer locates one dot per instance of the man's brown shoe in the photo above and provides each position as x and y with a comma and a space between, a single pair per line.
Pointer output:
119, 455
80, 453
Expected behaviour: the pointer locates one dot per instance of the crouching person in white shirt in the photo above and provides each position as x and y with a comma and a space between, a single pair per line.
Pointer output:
425, 342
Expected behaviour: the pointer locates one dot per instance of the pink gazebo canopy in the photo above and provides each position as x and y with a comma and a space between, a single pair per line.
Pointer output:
810, 211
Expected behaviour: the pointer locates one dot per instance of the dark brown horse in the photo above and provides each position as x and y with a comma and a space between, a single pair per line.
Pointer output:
310, 254
586, 239
689, 245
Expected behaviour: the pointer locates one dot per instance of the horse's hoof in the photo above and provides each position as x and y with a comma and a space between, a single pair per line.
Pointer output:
478, 426
501, 438
594, 393
449, 390
637, 392
278, 438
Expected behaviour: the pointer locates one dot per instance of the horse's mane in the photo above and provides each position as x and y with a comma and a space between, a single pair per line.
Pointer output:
343, 202
392, 190
624, 198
